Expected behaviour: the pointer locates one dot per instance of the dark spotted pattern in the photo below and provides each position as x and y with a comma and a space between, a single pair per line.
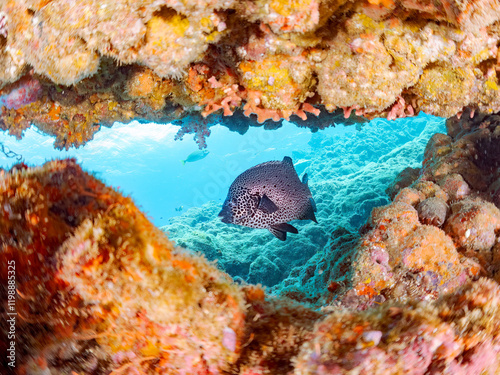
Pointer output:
279, 181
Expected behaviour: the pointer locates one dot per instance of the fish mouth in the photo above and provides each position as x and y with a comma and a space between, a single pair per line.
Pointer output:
225, 215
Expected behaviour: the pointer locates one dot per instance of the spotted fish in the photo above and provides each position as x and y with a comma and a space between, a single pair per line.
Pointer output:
268, 196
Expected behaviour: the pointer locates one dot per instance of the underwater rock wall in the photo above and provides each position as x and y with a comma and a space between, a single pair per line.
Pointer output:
70, 67
347, 177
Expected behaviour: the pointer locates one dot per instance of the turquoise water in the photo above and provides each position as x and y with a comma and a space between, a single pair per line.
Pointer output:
349, 171
144, 161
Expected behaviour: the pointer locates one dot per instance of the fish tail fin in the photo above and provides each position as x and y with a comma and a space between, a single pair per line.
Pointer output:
313, 204
183, 162
308, 214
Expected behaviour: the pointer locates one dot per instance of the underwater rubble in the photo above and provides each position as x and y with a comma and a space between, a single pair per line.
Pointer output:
71, 67
101, 290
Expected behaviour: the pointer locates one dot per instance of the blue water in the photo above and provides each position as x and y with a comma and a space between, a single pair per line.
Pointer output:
349, 172
144, 161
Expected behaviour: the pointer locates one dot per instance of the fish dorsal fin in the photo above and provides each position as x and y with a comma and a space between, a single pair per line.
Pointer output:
266, 205
309, 212
288, 160
280, 230
305, 179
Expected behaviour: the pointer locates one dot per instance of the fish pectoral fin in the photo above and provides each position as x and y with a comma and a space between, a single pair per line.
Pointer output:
266, 205
280, 235
280, 230
305, 179
285, 227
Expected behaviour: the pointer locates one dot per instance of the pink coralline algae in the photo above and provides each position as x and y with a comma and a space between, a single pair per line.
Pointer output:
445, 337
24, 92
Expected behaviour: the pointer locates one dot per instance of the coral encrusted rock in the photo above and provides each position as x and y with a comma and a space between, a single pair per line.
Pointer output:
458, 334
441, 231
97, 62
99, 287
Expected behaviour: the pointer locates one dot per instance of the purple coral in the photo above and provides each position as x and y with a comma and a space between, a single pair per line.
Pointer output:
197, 125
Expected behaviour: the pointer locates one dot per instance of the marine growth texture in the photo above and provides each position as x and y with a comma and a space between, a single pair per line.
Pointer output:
69, 67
